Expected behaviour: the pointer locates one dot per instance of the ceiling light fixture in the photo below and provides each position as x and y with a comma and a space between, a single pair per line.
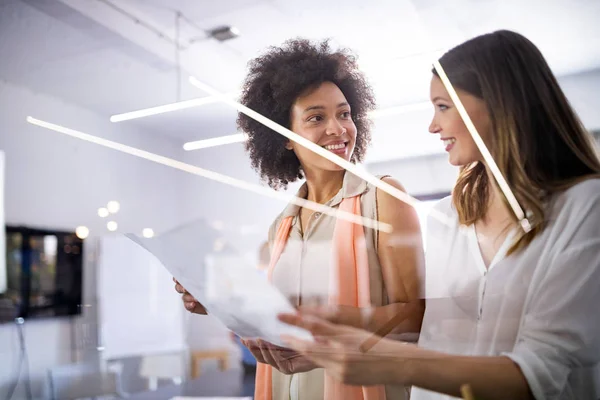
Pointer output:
166, 108
148, 233
219, 244
82, 232
146, 112
224, 33
213, 142
113, 206
103, 212
112, 226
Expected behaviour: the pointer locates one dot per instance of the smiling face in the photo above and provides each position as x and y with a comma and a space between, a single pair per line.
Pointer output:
453, 132
323, 116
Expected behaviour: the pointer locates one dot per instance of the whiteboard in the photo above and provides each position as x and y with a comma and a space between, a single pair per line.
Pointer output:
3, 272
140, 312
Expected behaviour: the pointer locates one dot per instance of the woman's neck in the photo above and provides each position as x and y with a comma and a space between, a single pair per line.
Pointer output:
497, 213
323, 185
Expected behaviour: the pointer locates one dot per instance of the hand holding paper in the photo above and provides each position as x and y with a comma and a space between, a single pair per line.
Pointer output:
189, 302
230, 288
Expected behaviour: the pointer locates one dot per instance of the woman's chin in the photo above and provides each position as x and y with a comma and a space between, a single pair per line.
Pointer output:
455, 163
331, 167
455, 160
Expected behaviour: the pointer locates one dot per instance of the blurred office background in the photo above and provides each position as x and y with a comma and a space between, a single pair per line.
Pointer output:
102, 317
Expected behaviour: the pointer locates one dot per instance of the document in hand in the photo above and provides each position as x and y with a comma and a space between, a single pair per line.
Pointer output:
231, 289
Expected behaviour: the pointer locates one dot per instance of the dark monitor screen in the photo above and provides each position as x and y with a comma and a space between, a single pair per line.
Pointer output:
44, 274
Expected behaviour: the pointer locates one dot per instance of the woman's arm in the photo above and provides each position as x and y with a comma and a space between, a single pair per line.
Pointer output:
559, 338
402, 262
337, 349
490, 378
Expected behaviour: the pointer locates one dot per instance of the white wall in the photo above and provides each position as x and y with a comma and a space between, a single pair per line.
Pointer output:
234, 207
420, 175
582, 90
58, 182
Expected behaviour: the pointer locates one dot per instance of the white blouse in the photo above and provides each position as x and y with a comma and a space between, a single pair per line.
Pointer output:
539, 306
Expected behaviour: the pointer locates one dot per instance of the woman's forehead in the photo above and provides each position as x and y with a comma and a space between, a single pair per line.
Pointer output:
325, 94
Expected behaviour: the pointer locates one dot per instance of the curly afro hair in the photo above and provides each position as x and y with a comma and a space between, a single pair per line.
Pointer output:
275, 81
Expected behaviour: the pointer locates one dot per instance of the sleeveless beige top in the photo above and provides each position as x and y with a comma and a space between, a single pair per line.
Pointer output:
303, 272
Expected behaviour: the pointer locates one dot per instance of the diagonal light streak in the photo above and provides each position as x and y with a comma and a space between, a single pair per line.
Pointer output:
165, 108
215, 176
213, 142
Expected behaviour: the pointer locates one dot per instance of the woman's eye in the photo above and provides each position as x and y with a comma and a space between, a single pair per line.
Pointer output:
442, 107
315, 118
346, 115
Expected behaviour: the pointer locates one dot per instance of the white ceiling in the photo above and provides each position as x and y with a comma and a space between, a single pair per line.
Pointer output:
87, 53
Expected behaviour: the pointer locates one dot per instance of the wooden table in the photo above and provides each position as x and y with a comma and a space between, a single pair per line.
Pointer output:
222, 357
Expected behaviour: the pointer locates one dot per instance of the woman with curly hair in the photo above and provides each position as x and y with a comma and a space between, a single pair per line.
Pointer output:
365, 276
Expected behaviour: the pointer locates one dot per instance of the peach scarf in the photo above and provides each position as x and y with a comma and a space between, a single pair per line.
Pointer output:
349, 278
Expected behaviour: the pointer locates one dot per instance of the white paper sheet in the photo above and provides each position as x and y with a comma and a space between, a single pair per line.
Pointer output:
231, 289
135, 295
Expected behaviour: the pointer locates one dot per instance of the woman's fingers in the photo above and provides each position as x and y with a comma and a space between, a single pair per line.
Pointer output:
320, 311
189, 302
325, 354
269, 355
179, 288
320, 345
313, 324
326, 331
254, 349
275, 356
199, 309
280, 353
299, 345
188, 298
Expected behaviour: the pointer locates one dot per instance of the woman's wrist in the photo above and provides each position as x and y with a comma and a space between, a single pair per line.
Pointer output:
408, 371
406, 361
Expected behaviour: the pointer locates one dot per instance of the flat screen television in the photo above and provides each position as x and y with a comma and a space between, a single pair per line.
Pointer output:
44, 270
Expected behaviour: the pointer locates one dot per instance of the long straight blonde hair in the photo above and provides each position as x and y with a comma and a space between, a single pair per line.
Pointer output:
537, 140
